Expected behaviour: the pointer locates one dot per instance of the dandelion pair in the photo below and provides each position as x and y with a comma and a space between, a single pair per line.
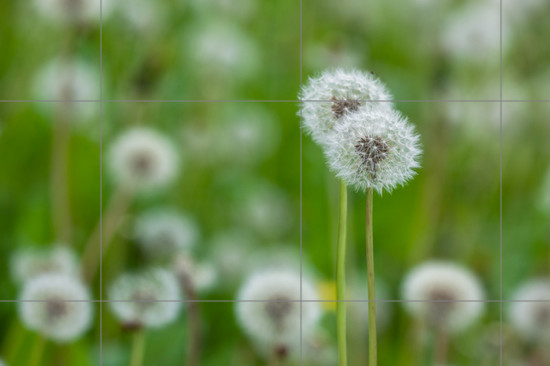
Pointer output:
369, 146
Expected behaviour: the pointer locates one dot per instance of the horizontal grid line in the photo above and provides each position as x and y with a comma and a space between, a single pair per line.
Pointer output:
271, 101
270, 301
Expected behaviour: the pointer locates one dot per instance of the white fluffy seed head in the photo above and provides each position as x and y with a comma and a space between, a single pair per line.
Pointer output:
203, 275
150, 298
63, 311
373, 148
437, 290
28, 263
2, 363
530, 315
164, 232
274, 323
143, 159
336, 94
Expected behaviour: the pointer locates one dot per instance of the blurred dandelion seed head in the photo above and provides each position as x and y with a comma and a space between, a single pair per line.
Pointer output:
143, 159
532, 318
474, 34
437, 290
373, 148
334, 95
164, 232
141, 293
28, 263
203, 275
60, 309
73, 11
274, 322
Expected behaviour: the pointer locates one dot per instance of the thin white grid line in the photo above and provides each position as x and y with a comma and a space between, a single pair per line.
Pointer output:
287, 301
272, 101
500, 193
301, 181
101, 182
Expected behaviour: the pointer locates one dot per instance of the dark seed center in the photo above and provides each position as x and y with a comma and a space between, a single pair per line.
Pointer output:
341, 107
442, 305
278, 307
56, 309
142, 163
372, 150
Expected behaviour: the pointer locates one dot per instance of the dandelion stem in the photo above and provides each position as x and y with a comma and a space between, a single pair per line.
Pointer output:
370, 279
441, 346
138, 348
341, 278
106, 228
193, 320
37, 351
61, 212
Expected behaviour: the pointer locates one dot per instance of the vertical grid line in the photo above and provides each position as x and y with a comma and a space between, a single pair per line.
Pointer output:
500, 189
101, 182
301, 182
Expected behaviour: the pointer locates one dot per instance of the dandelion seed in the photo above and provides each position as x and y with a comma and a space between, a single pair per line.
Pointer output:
150, 298
530, 315
164, 232
273, 323
29, 263
373, 148
143, 159
57, 306
437, 290
337, 94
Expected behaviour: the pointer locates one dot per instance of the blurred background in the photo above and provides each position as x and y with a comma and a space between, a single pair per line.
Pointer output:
244, 189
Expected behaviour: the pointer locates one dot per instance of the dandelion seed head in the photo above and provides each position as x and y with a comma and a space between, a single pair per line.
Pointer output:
57, 306
373, 148
203, 275
221, 49
2, 363
143, 159
165, 232
141, 293
336, 94
274, 322
530, 315
474, 34
444, 284
68, 80
28, 263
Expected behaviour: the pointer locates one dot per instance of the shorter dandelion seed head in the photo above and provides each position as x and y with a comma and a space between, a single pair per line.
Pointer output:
437, 290
336, 94
143, 294
143, 159
164, 232
373, 148
28, 263
273, 322
529, 317
57, 306
203, 275
73, 11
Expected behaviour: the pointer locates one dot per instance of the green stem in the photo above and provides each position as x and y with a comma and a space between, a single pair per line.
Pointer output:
37, 351
370, 280
341, 278
138, 348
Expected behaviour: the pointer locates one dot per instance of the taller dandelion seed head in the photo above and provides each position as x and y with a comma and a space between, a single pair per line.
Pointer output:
272, 319
143, 159
146, 299
336, 94
530, 313
443, 294
28, 263
57, 306
373, 148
